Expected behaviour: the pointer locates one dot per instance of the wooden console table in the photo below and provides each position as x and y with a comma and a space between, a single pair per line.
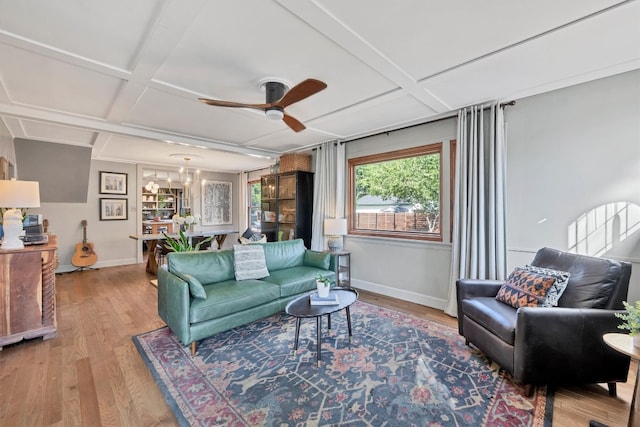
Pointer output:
28, 293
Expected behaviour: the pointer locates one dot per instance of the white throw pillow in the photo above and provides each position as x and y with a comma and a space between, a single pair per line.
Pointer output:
249, 262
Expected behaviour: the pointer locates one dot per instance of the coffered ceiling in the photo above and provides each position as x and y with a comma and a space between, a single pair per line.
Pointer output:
123, 77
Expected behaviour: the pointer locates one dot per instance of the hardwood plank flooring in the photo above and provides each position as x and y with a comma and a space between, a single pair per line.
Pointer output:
92, 375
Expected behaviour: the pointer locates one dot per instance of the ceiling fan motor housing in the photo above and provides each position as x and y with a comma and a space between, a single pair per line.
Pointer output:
274, 92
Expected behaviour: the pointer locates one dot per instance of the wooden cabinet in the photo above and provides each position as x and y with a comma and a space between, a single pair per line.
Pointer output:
28, 293
287, 206
164, 203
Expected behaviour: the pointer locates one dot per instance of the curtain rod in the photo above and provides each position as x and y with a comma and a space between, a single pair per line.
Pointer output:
447, 117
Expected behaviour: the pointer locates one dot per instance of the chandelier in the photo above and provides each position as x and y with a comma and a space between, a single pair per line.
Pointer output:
188, 178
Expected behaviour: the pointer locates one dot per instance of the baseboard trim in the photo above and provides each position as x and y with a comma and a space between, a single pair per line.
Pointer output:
400, 294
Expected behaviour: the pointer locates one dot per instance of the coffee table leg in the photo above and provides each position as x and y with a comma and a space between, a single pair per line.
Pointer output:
349, 322
295, 345
329, 324
318, 324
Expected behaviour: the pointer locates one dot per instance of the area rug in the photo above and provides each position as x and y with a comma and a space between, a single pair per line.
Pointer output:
398, 370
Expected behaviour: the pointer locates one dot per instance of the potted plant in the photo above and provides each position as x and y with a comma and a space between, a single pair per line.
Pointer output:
182, 243
323, 284
631, 321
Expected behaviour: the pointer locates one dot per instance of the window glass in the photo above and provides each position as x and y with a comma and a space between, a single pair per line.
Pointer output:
397, 194
255, 210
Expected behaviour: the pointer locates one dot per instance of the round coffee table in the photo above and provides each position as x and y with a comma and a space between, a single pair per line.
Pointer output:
301, 308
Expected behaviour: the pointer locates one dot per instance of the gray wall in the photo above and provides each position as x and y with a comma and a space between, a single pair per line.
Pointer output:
569, 152
413, 270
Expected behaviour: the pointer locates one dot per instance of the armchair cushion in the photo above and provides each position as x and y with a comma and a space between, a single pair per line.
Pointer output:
493, 315
525, 288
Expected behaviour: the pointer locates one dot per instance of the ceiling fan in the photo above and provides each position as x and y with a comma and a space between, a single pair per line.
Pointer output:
277, 99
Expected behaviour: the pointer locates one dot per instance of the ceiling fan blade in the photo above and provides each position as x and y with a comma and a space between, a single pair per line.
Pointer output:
293, 123
301, 91
218, 103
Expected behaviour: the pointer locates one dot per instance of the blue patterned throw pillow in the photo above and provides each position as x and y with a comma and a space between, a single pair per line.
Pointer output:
249, 262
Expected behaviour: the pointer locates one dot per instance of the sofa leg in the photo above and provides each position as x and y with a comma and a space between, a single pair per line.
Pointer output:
194, 348
528, 390
613, 389
466, 341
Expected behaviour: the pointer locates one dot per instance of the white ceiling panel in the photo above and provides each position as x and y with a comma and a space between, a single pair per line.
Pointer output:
123, 77
388, 112
110, 32
166, 155
457, 32
54, 85
55, 133
537, 66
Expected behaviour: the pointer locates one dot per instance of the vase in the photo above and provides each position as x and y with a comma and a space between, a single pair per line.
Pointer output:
323, 289
636, 340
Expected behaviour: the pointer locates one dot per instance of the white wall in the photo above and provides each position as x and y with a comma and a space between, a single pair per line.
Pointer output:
569, 152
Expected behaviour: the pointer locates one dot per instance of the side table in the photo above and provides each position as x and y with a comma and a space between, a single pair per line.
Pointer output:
343, 268
624, 344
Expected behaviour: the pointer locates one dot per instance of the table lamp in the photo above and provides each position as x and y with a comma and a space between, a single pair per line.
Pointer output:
335, 228
13, 196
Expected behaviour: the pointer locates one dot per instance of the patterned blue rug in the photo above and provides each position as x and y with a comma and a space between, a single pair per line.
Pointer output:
399, 370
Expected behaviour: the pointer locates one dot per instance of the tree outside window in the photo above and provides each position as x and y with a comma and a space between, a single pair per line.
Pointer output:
397, 194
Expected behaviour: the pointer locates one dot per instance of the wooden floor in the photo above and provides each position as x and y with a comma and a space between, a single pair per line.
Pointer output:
92, 375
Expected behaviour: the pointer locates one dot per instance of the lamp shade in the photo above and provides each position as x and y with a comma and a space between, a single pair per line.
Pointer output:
19, 194
335, 227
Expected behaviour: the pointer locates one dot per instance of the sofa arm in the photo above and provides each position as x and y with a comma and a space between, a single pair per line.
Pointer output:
174, 302
471, 288
556, 345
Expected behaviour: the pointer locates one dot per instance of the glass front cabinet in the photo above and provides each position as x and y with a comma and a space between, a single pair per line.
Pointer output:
287, 203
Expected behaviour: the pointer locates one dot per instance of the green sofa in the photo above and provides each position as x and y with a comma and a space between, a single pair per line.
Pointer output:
199, 296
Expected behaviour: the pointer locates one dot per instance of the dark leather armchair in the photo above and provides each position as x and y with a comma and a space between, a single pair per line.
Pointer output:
552, 345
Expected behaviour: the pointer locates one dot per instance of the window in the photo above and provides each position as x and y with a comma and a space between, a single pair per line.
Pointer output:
255, 211
397, 194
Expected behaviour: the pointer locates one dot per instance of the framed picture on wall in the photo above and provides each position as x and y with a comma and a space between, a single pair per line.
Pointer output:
113, 183
216, 203
113, 209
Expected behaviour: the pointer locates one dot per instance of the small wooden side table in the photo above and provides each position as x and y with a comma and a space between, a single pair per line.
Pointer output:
624, 344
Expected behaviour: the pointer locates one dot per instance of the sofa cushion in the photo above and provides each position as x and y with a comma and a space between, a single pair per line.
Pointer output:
525, 288
317, 259
499, 318
249, 262
231, 296
558, 287
297, 279
285, 254
195, 287
206, 266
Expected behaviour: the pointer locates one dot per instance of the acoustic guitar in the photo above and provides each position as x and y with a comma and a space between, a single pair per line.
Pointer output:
84, 255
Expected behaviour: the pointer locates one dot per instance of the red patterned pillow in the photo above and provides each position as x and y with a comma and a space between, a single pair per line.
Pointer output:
525, 288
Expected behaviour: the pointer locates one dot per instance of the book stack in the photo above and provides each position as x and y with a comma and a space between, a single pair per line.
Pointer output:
332, 299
